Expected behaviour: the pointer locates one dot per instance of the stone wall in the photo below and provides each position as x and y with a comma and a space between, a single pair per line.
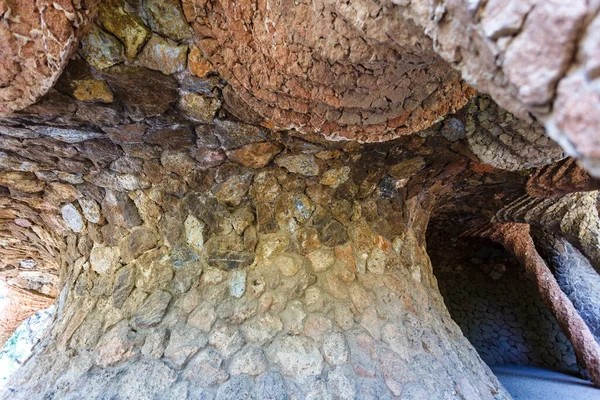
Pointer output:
284, 269
197, 253
215, 259
498, 308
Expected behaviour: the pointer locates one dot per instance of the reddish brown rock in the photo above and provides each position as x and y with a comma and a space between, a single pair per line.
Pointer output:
255, 155
137, 91
342, 77
330, 237
19, 305
29, 65
336, 69
560, 179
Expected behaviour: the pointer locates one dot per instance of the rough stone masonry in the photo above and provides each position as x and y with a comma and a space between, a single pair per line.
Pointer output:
230, 200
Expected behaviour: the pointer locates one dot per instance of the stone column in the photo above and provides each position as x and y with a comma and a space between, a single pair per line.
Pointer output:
516, 239
198, 256
574, 274
298, 279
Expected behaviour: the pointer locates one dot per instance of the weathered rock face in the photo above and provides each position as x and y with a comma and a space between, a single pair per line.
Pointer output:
36, 40
356, 71
199, 250
497, 138
324, 65
516, 238
214, 258
361, 70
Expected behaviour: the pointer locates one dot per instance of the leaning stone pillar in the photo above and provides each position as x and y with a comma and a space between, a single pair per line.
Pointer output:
516, 239
296, 280
574, 274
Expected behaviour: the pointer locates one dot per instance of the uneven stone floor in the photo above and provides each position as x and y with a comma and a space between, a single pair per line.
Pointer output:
531, 383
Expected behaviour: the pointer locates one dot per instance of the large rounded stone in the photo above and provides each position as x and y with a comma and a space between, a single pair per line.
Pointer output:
30, 66
329, 68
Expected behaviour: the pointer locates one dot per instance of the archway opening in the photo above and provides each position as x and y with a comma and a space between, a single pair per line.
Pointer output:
495, 304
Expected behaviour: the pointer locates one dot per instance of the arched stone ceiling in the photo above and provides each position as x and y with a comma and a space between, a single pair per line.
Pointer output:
361, 69
361, 73
538, 59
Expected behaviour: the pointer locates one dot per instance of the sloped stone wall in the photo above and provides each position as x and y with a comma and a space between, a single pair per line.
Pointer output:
305, 276
197, 256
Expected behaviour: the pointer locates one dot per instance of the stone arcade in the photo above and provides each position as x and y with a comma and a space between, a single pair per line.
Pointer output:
230, 199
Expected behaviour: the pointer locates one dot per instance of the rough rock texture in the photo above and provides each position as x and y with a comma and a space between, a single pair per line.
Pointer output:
534, 58
17, 349
516, 239
574, 274
353, 70
186, 262
206, 241
36, 41
362, 70
573, 216
559, 179
285, 285
497, 138
18, 305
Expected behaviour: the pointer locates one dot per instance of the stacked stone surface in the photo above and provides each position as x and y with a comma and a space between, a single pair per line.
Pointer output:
205, 257
230, 279
361, 70
195, 251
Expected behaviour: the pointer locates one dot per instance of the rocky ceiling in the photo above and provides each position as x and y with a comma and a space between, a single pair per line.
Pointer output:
361, 70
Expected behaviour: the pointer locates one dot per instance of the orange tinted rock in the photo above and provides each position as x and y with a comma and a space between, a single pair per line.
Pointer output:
197, 64
22, 181
29, 66
92, 90
255, 155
